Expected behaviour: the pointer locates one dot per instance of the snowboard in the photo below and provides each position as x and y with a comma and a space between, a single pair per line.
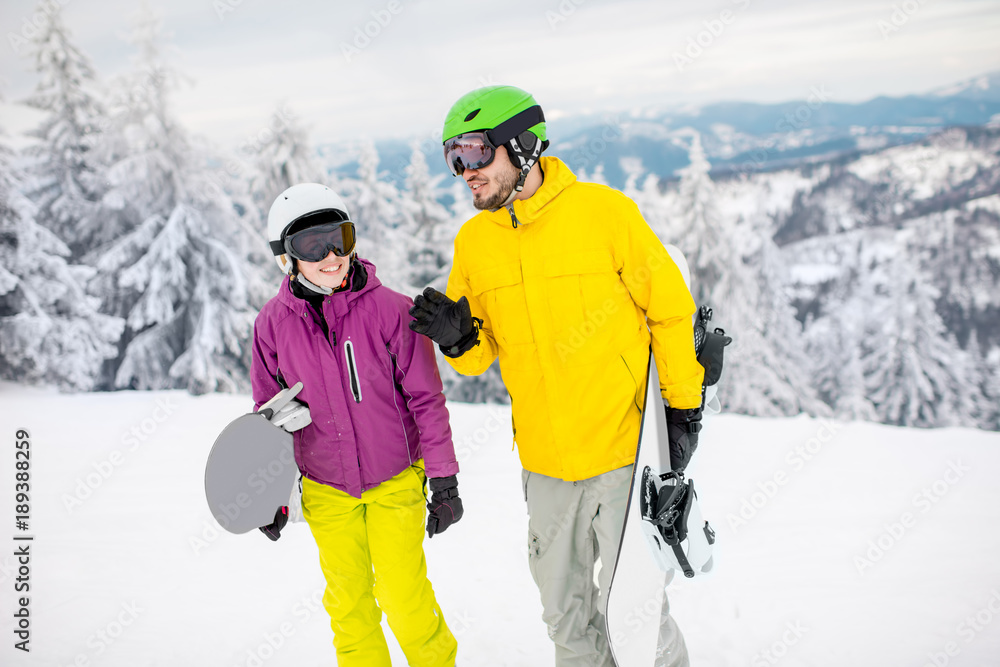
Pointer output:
664, 530
636, 592
251, 470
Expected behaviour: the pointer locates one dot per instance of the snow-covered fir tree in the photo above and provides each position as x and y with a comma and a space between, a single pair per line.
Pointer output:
282, 156
433, 228
188, 275
914, 372
833, 343
381, 219
50, 328
66, 180
991, 389
761, 376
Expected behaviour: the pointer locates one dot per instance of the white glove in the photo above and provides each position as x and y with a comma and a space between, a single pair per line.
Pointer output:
285, 412
292, 417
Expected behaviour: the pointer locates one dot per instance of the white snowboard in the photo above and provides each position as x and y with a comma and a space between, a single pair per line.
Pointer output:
635, 595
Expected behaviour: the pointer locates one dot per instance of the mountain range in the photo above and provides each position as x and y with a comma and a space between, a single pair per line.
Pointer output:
736, 136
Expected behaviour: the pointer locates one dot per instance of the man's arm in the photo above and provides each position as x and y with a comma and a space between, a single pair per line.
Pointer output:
478, 359
656, 285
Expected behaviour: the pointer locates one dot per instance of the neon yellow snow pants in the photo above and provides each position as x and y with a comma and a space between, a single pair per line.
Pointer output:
372, 549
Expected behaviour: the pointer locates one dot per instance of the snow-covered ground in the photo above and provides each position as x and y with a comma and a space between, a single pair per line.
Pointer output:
839, 544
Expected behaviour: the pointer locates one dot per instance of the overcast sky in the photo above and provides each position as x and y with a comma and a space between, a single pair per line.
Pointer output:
245, 57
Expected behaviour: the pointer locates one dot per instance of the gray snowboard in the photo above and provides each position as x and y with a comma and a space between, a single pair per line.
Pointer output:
250, 473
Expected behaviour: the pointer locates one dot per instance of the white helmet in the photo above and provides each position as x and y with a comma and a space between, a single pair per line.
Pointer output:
291, 206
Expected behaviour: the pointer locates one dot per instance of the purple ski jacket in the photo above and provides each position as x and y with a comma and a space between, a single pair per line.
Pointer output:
372, 385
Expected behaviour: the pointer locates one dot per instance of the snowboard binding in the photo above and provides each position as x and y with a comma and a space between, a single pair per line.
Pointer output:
679, 538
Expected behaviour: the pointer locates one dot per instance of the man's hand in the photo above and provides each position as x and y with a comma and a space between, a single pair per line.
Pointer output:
448, 323
682, 432
445, 507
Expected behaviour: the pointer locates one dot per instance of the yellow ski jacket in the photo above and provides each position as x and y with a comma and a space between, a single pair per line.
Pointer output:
568, 299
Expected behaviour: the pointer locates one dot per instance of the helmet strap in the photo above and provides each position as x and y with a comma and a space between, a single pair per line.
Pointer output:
309, 285
527, 157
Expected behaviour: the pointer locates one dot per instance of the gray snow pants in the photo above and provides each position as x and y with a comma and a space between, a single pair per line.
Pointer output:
570, 526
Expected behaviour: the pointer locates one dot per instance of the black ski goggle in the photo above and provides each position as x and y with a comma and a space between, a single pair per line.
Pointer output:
315, 243
472, 150
475, 150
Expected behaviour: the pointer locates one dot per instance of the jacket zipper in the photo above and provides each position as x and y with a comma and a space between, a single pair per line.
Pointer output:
353, 370
513, 218
392, 380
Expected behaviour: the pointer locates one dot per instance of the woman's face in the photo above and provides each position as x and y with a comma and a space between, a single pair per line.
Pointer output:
327, 272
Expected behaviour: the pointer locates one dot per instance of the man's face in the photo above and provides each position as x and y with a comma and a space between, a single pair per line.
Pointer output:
492, 184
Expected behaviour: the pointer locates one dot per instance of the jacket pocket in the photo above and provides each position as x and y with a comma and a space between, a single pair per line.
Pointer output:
500, 291
352, 369
585, 296
637, 373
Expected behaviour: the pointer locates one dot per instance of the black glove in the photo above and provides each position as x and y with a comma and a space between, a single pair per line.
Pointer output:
445, 507
682, 432
448, 323
273, 530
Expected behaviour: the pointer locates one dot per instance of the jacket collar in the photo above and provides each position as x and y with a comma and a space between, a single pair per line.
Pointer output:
557, 177
362, 277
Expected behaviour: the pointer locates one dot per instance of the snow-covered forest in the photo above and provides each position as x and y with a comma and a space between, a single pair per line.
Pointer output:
133, 255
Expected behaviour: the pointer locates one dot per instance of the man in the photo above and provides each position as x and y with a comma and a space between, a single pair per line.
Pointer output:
567, 284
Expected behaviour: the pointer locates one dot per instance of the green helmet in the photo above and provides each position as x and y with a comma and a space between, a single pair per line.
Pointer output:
506, 116
488, 108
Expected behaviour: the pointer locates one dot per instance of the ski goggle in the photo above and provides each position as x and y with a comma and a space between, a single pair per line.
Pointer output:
472, 150
315, 243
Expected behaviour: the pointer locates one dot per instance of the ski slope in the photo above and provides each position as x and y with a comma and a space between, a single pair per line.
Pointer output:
839, 544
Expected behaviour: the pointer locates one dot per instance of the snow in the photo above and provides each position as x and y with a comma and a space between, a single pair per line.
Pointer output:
989, 203
928, 169
839, 543
814, 274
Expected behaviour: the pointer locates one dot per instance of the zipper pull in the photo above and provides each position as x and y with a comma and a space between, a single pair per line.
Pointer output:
513, 218
333, 334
